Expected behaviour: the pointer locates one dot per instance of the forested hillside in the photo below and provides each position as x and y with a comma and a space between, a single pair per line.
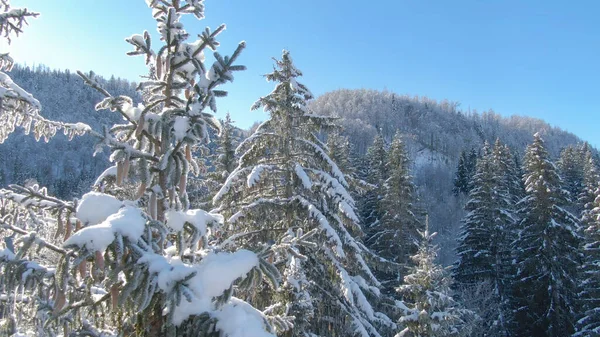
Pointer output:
65, 167
436, 134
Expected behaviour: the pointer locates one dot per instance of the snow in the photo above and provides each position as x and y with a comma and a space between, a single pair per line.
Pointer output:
303, 176
128, 221
109, 172
181, 127
334, 168
196, 217
95, 207
254, 176
239, 319
132, 112
214, 274
228, 182
315, 213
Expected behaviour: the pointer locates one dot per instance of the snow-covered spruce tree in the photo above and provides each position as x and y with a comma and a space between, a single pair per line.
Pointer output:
17, 106
427, 306
484, 245
546, 252
570, 166
222, 162
375, 174
338, 149
465, 170
285, 185
591, 178
146, 265
226, 161
395, 237
588, 323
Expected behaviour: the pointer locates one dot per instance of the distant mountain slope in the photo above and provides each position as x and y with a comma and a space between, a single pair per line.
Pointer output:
439, 126
64, 167
435, 133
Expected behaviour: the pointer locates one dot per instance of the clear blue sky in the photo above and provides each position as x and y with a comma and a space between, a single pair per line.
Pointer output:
535, 58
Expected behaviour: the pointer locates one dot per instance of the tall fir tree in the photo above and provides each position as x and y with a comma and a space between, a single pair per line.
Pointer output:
571, 167
588, 323
226, 161
134, 259
591, 178
465, 170
484, 244
395, 237
546, 252
286, 184
375, 174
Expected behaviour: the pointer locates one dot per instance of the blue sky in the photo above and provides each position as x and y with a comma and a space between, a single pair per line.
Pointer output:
535, 58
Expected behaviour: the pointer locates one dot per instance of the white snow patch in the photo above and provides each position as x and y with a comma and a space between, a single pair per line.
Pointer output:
239, 319
95, 207
128, 221
109, 172
214, 274
181, 127
303, 176
254, 175
196, 217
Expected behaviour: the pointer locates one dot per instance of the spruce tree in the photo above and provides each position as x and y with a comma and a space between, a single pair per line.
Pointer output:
375, 174
546, 252
395, 237
137, 261
586, 198
286, 187
484, 244
225, 161
571, 167
465, 170
589, 295
427, 307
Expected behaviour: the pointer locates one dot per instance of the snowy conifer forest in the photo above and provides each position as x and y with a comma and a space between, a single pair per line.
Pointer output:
140, 209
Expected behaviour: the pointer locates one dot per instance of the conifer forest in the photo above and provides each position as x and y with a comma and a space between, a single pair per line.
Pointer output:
140, 209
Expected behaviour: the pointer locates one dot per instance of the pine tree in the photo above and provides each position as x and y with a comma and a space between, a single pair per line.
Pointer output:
137, 261
427, 307
589, 294
285, 185
465, 170
377, 159
338, 149
219, 164
546, 252
226, 160
586, 198
396, 236
571, 164
375, 174
484, 244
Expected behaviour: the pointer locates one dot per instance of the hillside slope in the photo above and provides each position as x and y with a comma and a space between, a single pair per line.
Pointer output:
435, 134
65, 167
